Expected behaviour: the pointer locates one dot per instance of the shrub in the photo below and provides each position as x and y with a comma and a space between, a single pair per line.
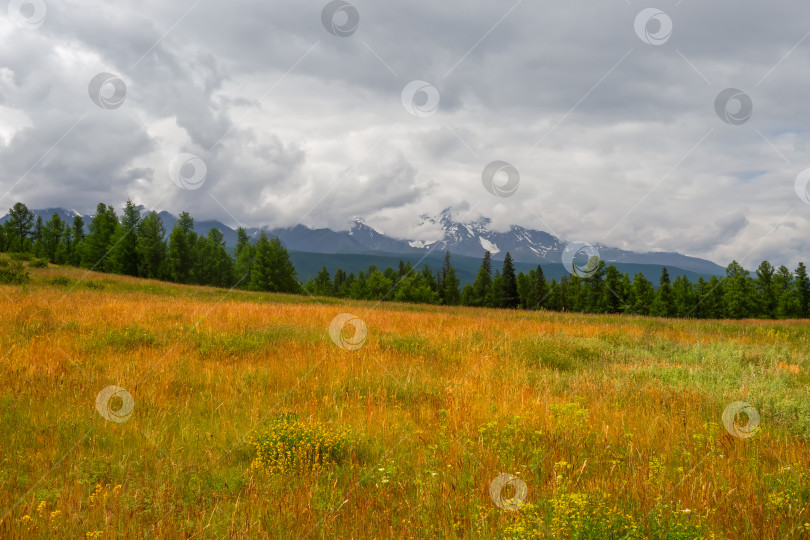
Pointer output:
38, 263
292, 445
61, 281
13, 272
21, 256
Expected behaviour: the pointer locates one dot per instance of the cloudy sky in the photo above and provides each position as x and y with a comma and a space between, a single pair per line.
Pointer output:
307, 112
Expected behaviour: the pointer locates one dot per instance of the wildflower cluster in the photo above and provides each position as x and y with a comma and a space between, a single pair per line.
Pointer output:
292, 445
100, 493
41, 519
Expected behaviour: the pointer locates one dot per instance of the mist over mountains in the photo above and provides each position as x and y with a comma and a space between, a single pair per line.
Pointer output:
361, 245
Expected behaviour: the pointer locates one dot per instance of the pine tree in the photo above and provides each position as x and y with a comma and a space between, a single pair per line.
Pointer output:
125, 253
712, 299
52, 233
450, 285
664, 305
272, 269
467, 296
242, 240
283, 272
738, 292
37, 235
340, 280
322, 284
260, 277
20, 222
99, 241
787, 300
540, 289
442, 276
766, 299
482, 288
151, 247
525, 288
642, 296
613, 294
554, 301
378, 286
509, 293
802, 286
495, 298
213, 265
684, 296
181, 249
243, 267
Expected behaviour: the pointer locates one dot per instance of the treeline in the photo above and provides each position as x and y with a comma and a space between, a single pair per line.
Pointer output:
138, 245
773, 293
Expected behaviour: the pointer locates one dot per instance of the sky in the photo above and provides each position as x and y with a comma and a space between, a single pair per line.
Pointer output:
674, 126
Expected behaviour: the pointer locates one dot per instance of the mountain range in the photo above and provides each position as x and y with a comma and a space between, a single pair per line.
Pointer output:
312, 248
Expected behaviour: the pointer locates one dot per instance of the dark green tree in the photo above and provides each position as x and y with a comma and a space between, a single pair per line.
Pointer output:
664, 304
766, 298
509, 293
125, 251
787, 300
151, 247
52, 233
482, 288
99, 241
322, 284
613, 298
803, 290
181, 249
684, 296
738, 292
272, 269
242, 240
448, 283
642, 295
21, 219
540, 289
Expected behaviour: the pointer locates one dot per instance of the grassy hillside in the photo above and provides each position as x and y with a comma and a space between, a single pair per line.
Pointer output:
247, 420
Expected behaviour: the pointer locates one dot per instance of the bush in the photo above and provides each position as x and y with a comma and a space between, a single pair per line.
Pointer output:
291, 445
21, 256
13, 272
38, 263
61, 281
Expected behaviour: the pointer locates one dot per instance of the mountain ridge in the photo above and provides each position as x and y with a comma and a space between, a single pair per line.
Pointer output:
470, 239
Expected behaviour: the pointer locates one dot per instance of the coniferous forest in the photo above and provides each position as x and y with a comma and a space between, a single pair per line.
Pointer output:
139, 245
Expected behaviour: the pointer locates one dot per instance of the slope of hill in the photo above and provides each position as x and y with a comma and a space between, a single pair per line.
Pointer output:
135, 408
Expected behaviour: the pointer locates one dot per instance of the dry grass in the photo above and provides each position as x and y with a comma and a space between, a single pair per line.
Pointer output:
438, 402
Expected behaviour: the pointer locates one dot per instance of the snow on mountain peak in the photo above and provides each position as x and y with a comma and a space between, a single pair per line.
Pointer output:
489, 246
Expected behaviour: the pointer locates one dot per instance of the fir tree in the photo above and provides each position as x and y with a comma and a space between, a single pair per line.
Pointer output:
509, 292
125, 253
99, 242
20, 222
664, 305
181, 249
482, 288
151, 247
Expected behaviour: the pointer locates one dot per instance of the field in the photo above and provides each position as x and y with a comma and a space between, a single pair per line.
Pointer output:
247, 420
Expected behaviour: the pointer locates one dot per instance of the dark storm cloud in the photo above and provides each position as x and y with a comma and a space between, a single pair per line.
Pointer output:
616, 140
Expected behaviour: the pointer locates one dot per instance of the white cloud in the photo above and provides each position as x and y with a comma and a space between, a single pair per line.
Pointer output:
296, 124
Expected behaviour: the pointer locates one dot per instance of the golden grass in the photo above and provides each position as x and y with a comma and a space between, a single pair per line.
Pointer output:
439, 401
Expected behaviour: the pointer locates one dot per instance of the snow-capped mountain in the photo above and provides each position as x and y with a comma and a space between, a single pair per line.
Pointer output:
470, 239
474, 238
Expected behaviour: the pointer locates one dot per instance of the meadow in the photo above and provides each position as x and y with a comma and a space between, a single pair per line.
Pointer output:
248, 420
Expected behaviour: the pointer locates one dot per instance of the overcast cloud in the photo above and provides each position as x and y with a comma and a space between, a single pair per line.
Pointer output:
616, 140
